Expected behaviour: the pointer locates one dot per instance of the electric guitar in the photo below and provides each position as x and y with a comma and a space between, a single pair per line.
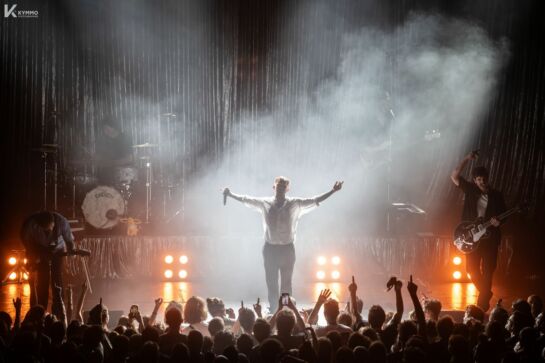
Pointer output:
468, 235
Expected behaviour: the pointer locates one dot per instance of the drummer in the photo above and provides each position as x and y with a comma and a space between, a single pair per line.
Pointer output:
113, 150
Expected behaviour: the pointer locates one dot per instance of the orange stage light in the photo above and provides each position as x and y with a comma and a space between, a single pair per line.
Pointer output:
182, 274
457, 260
457, 275
169, 259
168, 274
336, 260
322, 260
12, 261
320, 275
183, 259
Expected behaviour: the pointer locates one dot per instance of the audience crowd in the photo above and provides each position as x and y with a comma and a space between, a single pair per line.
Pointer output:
204, 331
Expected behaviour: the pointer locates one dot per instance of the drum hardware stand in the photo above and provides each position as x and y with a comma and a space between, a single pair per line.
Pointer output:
86, 271
74, 196
55, 185
167, 197
392, 120
148, 190
45, 150
44, 156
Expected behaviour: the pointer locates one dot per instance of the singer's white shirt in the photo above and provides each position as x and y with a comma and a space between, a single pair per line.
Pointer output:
280, 219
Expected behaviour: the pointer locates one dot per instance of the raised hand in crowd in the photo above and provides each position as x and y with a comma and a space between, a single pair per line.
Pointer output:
420, 317
397, 285
153, 316
314, 338
353, 288
257, 309
17, 304
78, 311
322, 298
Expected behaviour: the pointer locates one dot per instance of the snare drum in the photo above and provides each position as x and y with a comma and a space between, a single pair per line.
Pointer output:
82, 178
102, 207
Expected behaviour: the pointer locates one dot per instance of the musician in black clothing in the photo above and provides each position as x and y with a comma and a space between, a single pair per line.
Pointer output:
113, 150
481, 201
46, 236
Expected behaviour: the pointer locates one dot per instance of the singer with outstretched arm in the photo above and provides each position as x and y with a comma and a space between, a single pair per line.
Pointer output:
280, 217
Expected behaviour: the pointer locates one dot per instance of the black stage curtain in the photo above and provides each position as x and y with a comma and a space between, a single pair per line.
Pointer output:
81, 61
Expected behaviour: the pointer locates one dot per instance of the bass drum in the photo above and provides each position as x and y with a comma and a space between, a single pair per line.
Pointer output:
103, 207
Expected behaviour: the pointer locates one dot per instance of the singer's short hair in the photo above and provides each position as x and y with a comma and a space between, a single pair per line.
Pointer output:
281, 179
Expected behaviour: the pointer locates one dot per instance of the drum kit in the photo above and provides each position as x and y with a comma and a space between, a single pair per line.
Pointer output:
106, 204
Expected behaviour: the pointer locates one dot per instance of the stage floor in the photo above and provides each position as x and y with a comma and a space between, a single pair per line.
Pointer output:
120, 294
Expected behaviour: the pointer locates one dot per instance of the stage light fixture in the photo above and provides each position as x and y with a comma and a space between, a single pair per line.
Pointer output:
25, 276
169, 259
183, 259
12, 276
457, 260
12, 261
168, 274
320, 275
336, 260
25, 261
322, 260
457, 275
182, 274
335, 275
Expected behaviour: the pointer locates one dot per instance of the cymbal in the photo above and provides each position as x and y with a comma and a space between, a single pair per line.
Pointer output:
81, 161
145, 145
43, 149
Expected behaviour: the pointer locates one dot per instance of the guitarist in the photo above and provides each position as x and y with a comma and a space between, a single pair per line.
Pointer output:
46, 235
481, 201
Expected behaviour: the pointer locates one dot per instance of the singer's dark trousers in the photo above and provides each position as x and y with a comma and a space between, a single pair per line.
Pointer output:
278, 258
